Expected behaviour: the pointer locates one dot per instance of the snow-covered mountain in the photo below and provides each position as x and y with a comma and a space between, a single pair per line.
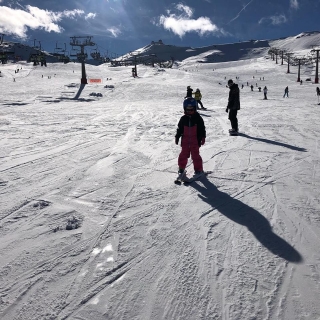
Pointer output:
92, 226
229, 52
300, 44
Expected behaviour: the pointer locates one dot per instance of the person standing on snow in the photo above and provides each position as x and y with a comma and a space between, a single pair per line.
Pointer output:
198, 96
286, 92
192, 131
318, 93
265, 91
233, 106
189, 92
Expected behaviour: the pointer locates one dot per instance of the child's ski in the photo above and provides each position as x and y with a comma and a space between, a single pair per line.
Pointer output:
186, 181
196, 176
182, 178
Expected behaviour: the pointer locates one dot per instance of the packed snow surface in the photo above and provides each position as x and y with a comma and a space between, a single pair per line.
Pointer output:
93, 227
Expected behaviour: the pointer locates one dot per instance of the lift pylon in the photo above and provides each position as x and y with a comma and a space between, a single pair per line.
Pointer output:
82, 42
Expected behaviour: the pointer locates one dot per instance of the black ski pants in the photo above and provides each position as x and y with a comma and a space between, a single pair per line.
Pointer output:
233, 119
199, 102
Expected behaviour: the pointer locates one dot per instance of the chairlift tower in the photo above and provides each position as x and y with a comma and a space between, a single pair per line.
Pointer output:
282, 52
299, 66
288, 54
276, 52
316, 79
82, 42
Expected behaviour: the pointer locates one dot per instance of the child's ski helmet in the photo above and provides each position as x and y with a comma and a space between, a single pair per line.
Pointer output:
190, 102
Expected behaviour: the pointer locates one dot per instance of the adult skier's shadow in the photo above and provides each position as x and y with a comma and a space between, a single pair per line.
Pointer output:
241, 213
273, 142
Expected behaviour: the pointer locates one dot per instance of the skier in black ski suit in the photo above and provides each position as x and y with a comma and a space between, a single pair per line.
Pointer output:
189, 92
233, 105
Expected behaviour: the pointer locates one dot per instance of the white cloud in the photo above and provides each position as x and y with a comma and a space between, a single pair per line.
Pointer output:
275, 20
187, 10
71, 13
294, 4
114, 31
90, 16
17, 21
183, 23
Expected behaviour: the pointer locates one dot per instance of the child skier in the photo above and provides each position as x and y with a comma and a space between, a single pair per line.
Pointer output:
198, 96
193, 132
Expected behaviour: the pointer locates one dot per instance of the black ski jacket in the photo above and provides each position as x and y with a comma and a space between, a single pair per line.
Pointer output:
192, 124
234, 98
189, 93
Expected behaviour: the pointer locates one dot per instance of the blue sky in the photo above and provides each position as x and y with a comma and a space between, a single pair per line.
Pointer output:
120, 26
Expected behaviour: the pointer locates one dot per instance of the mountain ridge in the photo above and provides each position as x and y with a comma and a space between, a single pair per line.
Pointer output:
215, 53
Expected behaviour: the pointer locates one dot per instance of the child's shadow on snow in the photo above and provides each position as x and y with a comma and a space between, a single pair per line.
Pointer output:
242, 214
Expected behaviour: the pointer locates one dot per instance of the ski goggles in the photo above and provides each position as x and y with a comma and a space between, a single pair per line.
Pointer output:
189, 109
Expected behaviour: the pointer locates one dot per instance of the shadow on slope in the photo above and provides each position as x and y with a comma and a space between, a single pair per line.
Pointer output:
15, 104
242, 214
79, 91
273, 142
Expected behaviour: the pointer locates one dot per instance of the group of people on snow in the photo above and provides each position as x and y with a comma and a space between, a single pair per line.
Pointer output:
191, 128
197, 96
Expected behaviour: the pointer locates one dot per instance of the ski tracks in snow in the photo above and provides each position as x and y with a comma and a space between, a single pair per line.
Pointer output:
221, 248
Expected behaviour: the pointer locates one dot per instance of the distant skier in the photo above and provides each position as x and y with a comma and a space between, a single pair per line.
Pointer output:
286, 92
233, 106
251, 87
197, 95
189, 92
265, 91
318, 93
192, 131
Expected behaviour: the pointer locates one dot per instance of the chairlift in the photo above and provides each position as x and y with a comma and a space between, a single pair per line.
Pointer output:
95, 54
56, 49
74, 53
